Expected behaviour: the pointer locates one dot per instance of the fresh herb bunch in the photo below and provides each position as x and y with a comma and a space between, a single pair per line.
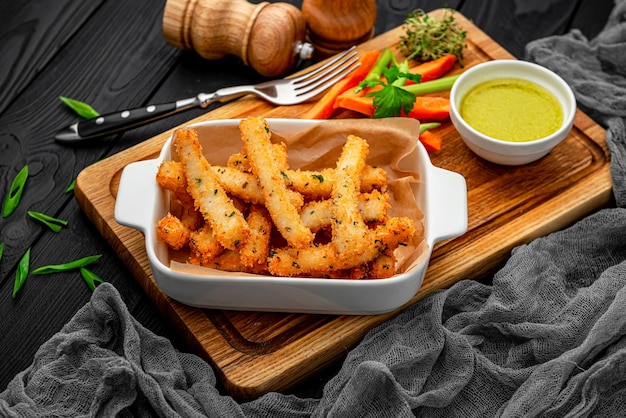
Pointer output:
428, 38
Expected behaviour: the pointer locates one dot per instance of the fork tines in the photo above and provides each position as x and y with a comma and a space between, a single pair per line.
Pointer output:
323, 77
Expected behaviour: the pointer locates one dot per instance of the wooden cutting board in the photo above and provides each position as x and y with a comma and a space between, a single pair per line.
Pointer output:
255, 353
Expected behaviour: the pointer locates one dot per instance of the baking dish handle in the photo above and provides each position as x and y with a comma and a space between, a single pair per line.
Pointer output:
137, 189
448, 206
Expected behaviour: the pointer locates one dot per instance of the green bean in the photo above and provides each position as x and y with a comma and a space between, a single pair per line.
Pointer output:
12, 199
90, 278
55, 268
53, 223
22, 272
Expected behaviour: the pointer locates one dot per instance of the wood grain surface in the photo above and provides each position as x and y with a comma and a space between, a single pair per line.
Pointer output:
113, 55
255, 353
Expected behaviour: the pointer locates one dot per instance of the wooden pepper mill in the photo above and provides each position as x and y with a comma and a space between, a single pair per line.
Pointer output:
268, 37
335, 25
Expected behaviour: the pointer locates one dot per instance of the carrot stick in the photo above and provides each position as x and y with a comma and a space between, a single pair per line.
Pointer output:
430, 140
430, 108
424, 108
432, 70
357, 102
325, 106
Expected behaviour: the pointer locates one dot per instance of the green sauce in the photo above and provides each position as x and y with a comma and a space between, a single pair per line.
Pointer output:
511, 109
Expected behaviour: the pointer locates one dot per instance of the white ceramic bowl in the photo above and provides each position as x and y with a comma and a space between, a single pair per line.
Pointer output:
506, 152
140, 203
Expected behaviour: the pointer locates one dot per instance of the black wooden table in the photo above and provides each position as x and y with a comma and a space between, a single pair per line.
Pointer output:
112, 55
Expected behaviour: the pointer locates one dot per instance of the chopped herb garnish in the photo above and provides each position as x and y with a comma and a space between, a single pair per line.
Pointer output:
318, 177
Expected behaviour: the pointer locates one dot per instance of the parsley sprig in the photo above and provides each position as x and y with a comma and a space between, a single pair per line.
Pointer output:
385, 81
391, 99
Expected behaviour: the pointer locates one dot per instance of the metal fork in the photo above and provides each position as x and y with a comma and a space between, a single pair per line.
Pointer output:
285, 91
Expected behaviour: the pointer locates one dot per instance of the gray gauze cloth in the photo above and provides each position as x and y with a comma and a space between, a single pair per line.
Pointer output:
547, 338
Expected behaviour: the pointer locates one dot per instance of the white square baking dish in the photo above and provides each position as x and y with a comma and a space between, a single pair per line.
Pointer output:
440, 194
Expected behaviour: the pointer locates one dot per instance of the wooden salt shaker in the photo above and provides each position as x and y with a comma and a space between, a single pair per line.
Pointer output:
335, 25
269, 37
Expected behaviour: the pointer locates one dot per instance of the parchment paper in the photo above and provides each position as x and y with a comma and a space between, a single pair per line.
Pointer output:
392, 142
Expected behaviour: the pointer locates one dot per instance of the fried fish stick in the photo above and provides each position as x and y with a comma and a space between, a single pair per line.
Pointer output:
383, 266
171, 230
227, 222
256, 136
318, 184
245, 186
323, 260
317, 214
230, 260
204, 245
240, 160
239, 183
257, 247
171, 176
373, 178
349, 230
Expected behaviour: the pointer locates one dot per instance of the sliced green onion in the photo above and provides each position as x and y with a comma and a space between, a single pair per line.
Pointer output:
70, 188
12, 199
1, 249
53, 223
90, 278
55, 268
22, 272
82, 109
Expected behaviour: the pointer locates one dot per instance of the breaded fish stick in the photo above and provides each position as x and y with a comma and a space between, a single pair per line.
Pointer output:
318, 213
256, 137
349, 231
227, 222
323, 259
